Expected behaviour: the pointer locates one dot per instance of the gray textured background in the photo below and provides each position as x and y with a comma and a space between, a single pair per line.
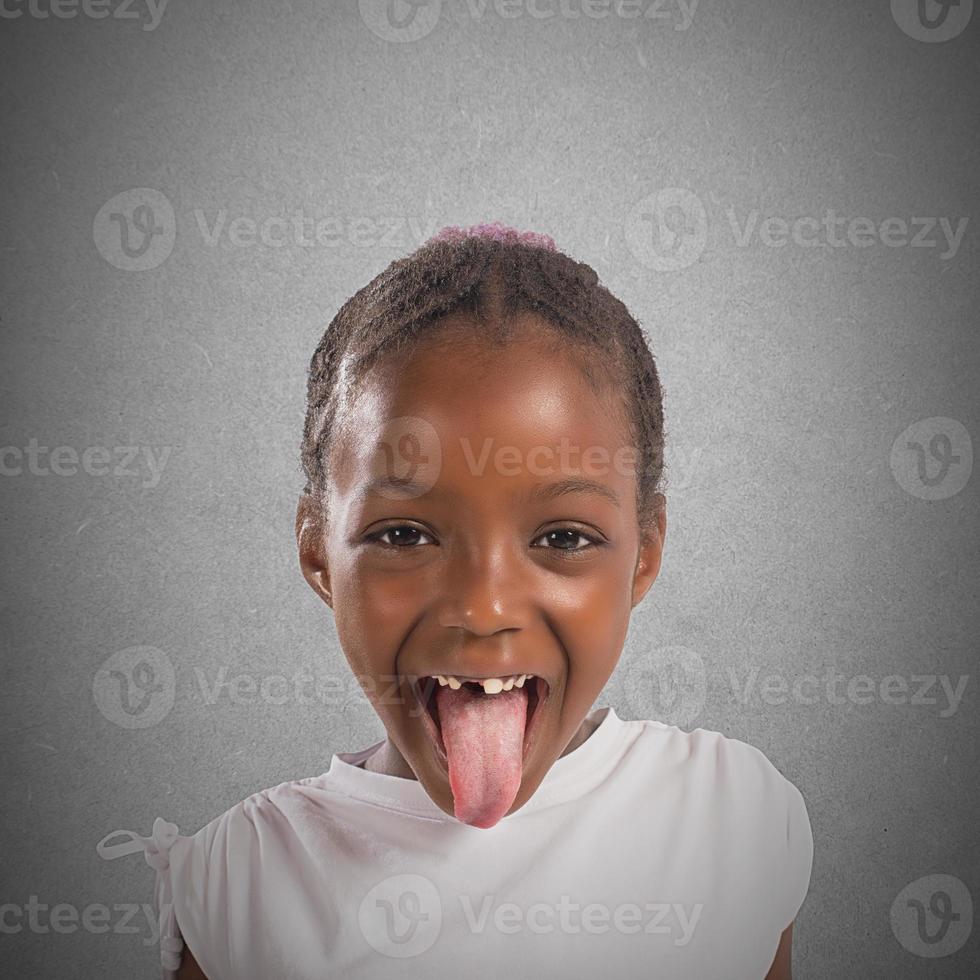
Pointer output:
799, 543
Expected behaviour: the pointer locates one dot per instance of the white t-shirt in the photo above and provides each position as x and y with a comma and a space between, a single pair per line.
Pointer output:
647, 851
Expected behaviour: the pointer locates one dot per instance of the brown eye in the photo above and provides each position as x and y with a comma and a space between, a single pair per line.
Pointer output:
565, 538
401, 536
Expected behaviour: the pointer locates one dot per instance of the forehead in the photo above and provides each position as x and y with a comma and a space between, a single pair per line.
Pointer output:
461, 416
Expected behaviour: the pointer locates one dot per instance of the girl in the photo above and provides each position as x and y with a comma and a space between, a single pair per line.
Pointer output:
483, 448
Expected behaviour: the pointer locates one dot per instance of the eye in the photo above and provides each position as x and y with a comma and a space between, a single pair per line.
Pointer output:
564, 539
402, 536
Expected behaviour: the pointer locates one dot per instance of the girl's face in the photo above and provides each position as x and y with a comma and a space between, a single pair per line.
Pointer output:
506, 544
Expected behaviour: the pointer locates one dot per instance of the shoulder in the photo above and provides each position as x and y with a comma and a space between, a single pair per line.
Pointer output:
729, 790
243, 859
731, 767
258, 820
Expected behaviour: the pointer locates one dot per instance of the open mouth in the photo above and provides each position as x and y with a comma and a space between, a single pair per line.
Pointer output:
424, 689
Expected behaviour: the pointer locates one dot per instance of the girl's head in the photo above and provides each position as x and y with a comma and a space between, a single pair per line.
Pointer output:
484, 452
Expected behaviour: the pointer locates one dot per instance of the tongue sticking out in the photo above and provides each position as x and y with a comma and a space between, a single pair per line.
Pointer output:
484, 737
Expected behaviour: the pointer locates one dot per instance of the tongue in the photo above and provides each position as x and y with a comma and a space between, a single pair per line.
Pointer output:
484, 738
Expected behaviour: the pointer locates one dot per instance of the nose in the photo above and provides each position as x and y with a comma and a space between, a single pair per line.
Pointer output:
485, 593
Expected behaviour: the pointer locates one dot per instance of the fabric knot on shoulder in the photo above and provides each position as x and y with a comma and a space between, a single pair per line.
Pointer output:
156, 851
155, 848
158, 854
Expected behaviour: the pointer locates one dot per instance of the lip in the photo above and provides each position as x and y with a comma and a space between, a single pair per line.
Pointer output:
542, 689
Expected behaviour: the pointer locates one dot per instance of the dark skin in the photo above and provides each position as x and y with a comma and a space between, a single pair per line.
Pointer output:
470, 585
473, 582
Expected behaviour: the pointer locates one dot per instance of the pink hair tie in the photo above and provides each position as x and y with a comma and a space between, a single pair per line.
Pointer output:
498, 232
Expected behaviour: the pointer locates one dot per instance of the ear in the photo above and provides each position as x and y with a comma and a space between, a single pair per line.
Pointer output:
312, 547
650, 552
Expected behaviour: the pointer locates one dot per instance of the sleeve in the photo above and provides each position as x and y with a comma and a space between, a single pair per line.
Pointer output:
799, 853
156, 849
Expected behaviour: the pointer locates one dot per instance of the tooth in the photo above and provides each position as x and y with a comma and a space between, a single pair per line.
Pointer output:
509, 683
493, 685
454, 683
520, 680
442, 680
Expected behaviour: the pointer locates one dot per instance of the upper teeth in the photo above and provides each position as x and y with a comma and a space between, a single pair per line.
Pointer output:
491, 685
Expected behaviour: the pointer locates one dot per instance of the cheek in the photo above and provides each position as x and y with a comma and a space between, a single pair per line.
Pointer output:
596, 605
373, 611
591, 615
368, 627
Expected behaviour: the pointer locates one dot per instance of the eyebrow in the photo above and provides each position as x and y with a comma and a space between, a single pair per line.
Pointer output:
548, 491
380, 484
544, 491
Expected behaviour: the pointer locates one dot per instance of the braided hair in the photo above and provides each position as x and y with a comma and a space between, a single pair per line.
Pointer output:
486, 276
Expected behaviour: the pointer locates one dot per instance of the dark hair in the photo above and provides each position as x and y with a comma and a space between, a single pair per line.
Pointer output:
491, 280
